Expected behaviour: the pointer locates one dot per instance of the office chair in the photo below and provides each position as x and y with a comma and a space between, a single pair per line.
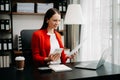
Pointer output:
26, 36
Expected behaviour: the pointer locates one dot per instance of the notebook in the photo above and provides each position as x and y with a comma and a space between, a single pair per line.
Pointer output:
94, 64
60, 67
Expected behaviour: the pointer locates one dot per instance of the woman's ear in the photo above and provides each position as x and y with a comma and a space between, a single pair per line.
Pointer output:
47, 20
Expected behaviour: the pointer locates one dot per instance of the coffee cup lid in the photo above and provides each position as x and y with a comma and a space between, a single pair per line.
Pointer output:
19, 58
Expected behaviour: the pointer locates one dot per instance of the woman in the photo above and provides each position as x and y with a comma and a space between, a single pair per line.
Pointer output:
47, 39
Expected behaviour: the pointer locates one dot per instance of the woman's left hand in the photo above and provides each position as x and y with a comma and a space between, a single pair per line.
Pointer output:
72, 56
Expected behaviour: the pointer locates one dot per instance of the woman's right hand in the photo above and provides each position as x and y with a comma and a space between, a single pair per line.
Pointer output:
54, 57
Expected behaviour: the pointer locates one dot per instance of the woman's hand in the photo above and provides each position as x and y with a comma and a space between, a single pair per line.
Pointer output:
72, 56
54, 57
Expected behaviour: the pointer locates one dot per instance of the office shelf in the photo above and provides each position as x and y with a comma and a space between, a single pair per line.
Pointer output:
26, 13
6, 34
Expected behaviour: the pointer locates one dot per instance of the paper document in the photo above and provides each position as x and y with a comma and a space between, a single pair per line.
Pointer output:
59, 50
60, 67
75, 49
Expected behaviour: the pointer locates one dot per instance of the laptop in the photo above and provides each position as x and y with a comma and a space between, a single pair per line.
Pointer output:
93, 65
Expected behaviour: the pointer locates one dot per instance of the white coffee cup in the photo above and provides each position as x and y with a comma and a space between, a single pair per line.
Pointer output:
20, 62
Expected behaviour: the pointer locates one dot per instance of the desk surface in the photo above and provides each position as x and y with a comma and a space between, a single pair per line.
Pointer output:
106, 72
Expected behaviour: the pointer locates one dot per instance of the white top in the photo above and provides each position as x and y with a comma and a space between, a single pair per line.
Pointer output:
54, 45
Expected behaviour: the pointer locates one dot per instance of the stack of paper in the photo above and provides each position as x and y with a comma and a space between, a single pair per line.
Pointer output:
43, 7
25, 7
60, 67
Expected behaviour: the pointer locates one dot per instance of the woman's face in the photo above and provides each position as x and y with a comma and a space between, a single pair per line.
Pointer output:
54, 21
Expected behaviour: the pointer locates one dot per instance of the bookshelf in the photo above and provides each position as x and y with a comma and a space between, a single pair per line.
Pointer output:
6, 37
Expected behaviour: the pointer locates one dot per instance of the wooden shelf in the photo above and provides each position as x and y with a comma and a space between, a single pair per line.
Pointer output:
26, 13
17, 52
5, 13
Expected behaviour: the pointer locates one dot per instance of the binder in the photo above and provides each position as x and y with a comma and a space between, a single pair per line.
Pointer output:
7, 25
4, 61
1, 62
7, 5
2, 24
9, 44
5, 45
2, 7
7, 61
0, 44
1, 41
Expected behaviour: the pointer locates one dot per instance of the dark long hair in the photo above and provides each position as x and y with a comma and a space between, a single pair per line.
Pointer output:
48, 15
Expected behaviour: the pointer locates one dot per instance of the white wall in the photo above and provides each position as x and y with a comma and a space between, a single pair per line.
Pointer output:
21, 22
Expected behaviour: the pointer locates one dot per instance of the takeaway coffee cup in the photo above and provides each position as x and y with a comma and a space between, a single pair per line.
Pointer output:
20, 62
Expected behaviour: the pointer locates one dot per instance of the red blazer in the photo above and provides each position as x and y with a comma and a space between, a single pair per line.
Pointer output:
41, 46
